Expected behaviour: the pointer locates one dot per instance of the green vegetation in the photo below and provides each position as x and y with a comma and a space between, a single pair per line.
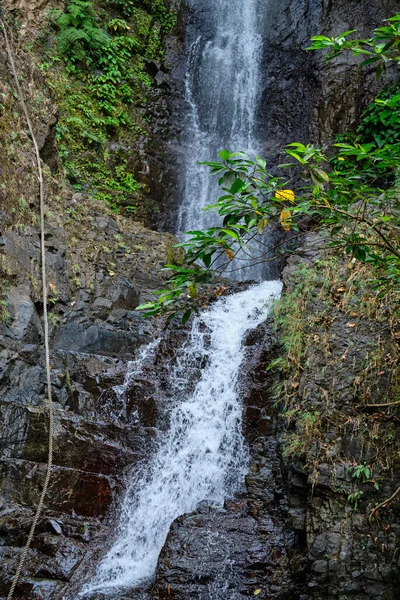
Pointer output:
381, 50
5, 314
95, 57
325, 398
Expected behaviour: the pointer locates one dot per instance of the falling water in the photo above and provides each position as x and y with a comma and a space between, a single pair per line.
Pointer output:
203, 456
222, 95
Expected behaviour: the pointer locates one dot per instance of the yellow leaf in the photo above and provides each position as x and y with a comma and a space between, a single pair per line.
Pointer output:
326, 202
257, 592
258, 212
341, 158
115, 27
286, 219
285, 195
168, 589
229, 253
261, 225
192, 290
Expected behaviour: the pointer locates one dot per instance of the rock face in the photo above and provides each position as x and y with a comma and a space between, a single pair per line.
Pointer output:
305, 99
100, 267
333, 429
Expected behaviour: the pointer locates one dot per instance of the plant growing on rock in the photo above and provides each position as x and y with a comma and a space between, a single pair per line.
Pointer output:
95, 58
79, 38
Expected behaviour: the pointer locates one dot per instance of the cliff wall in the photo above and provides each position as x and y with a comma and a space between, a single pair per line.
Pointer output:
293, 533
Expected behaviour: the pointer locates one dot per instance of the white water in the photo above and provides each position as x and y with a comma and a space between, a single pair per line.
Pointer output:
223, 93
203, 455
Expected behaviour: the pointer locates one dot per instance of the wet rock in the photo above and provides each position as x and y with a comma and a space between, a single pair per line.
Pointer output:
244, 547
55, 526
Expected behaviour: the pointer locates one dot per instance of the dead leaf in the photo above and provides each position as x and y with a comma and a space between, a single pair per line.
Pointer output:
350, 325
286, 219
221, 290
192, 290
326, 202
261, 225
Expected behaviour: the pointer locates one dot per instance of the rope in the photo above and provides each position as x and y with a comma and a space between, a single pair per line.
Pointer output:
45, 318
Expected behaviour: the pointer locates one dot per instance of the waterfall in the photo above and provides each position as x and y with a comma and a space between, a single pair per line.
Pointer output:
222, 94
203, 455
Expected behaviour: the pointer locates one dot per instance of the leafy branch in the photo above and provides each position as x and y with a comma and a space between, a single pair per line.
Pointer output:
381, 49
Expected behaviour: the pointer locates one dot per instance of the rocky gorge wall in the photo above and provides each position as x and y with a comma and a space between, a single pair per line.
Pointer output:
288, 534
100, 267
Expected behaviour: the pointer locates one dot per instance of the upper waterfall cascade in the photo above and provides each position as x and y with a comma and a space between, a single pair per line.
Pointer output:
203, 455
222, 95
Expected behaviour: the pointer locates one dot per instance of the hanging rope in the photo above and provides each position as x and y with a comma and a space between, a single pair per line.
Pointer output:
45, 318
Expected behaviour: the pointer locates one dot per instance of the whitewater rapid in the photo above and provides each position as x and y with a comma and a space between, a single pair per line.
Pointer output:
203, 456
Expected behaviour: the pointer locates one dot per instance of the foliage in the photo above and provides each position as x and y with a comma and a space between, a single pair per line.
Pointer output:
98, 74
381, 50
380, 123
363, 473
355, 498
157, 8
5, 314
361, 218
79, 38
308, 425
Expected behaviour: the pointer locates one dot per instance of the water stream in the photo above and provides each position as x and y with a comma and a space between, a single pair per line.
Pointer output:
222, 92
203, 455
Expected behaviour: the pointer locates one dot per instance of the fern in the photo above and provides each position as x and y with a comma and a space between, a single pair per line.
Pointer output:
79, 36
72, 40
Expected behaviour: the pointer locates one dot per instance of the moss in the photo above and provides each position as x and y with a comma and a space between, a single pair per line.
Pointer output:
102, 98
5, 314
324, 391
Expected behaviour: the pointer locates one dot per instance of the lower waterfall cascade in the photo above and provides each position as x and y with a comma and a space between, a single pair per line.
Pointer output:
203, 456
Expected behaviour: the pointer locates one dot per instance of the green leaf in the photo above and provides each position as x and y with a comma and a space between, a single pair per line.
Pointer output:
186, 316
237, 186
296, 156
225, 154
379, 71
324, 176
145, 306
231, 233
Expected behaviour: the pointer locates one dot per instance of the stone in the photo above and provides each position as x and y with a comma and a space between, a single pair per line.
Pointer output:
55, 527
321, 567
